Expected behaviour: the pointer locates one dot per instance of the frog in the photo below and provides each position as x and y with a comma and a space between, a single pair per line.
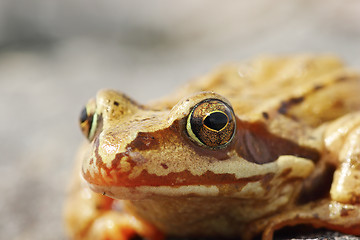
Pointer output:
243, 151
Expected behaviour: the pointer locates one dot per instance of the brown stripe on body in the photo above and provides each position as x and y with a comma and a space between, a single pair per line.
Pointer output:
285, 106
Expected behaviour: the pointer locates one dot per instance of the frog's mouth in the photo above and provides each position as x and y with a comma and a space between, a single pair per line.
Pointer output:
210, 184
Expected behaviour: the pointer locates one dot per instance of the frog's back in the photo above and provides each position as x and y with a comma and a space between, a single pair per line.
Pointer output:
311, 89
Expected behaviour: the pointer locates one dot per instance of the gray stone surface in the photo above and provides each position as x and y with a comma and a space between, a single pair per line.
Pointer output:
54, 55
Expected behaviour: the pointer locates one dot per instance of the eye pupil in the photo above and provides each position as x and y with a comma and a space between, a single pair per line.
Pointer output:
216, 121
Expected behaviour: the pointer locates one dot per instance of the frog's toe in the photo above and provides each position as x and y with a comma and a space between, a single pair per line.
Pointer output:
343, 140
113, 225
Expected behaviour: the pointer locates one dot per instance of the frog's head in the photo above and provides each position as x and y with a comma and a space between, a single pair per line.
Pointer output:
199, 147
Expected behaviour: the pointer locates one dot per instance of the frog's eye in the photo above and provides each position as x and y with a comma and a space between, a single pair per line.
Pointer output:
211, 123
89, 120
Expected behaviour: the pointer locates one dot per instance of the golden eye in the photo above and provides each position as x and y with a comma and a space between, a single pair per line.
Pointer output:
89, 120
211, 123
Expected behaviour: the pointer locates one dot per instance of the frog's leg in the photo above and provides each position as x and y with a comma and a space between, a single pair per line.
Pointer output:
340, 211
89, 215
327, 213
342, 139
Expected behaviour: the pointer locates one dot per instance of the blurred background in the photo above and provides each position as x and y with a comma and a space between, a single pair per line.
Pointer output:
55, 55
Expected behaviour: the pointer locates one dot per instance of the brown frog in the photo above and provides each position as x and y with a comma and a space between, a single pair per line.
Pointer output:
248, 149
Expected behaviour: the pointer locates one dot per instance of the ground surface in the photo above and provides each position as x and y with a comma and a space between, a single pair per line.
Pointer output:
55, 55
